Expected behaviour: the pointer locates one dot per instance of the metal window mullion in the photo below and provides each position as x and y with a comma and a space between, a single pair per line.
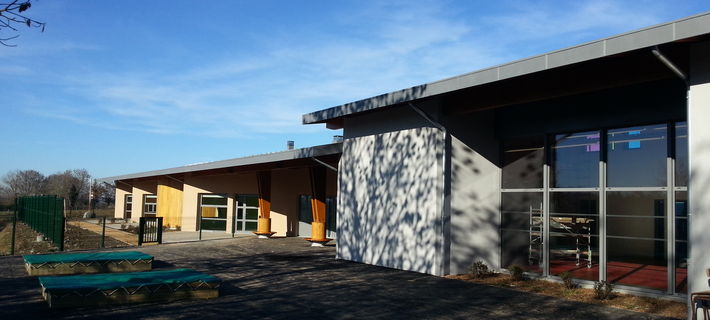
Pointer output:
603, 136
670, 209
546, 209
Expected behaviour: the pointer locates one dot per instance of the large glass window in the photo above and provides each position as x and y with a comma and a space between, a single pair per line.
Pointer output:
213, 211
575, 160
127, 206
523, 163
522, 230
305, 216
574, 241
636, 238
681, 154
150, 205
247, 213
644, 233
681, 242
637, 156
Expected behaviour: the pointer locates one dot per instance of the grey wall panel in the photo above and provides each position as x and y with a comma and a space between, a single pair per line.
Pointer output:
389, 202
523, 67
390, 120
699, 160
575, 54
475, 192
644, 38
692, 27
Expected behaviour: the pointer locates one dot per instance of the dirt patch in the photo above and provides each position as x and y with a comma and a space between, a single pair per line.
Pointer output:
660, 307
75, 238
25, 241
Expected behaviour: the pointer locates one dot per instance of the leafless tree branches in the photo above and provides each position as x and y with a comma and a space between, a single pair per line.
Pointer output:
12, 15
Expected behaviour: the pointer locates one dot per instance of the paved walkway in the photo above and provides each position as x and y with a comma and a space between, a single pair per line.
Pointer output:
286, 279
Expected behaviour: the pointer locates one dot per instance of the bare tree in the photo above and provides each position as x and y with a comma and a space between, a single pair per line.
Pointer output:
25, 182
12, 16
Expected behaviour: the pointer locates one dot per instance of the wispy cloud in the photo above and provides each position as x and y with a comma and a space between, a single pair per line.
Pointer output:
390, 47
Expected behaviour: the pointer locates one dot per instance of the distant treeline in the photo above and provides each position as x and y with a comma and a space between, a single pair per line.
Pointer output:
72, 185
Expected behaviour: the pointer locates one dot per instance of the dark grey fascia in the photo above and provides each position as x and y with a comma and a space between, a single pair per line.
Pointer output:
303, 153
689, 27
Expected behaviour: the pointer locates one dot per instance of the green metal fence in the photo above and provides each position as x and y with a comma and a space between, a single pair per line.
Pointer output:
44, 214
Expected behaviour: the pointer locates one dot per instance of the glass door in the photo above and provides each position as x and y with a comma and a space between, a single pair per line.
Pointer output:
213, 212
574, 205
247, 218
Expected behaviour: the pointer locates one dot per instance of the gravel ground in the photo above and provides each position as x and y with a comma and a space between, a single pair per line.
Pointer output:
286, 279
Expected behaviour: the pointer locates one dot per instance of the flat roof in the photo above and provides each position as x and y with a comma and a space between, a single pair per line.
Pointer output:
643, 38
316, 151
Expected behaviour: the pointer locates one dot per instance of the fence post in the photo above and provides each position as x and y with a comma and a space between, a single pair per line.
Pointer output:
141, 230
103, 233
160, 230
14, 226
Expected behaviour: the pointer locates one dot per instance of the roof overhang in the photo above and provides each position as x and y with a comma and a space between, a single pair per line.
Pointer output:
694, 28
329, 153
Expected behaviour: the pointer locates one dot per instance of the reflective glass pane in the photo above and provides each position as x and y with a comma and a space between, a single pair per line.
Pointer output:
523, 162
681, 154
249, 200
215, 200
222, 213
252, 214
575, 160
250, 226
304, 207
636, 238
522, 228
151, 199
209, 212
681, 242
220, 225
240, 226
574, 242
637, 156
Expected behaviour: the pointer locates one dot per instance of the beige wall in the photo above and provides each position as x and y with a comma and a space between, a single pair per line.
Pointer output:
230, 184
170, 202
121, 191
140, 189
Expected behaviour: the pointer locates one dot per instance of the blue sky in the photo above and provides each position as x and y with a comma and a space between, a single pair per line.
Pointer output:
127, 86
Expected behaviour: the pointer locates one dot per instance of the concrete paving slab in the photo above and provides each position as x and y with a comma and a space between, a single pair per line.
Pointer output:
287, 279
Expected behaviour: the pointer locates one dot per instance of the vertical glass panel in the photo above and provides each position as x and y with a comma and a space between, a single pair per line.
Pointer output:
240, 226
523, 162
214, 199
209, 212
574, 241
252, 214
681, 153
249, 200
636, 239
681, 242
637, 156
575, 160
250, 226
522, 230
304, 209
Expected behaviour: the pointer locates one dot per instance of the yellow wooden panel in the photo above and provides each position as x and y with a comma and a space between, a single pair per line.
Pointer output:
170, 204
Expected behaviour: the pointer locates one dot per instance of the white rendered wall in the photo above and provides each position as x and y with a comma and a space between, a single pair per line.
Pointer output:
389, 200
699, 151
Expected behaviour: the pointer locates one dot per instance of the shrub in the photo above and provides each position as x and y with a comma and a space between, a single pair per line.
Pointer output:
567, 279
516, 272
602, 290
480, 270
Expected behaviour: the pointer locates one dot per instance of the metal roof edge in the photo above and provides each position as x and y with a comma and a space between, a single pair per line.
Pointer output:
301, 153
666, 32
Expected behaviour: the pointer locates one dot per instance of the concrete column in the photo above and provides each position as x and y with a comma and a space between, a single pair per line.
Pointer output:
264, 185
699, 158
318, 206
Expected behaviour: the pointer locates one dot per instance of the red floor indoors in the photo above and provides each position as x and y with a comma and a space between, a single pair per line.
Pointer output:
631, 274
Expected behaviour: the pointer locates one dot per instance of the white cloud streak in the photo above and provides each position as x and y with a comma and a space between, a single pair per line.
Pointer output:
393, 47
